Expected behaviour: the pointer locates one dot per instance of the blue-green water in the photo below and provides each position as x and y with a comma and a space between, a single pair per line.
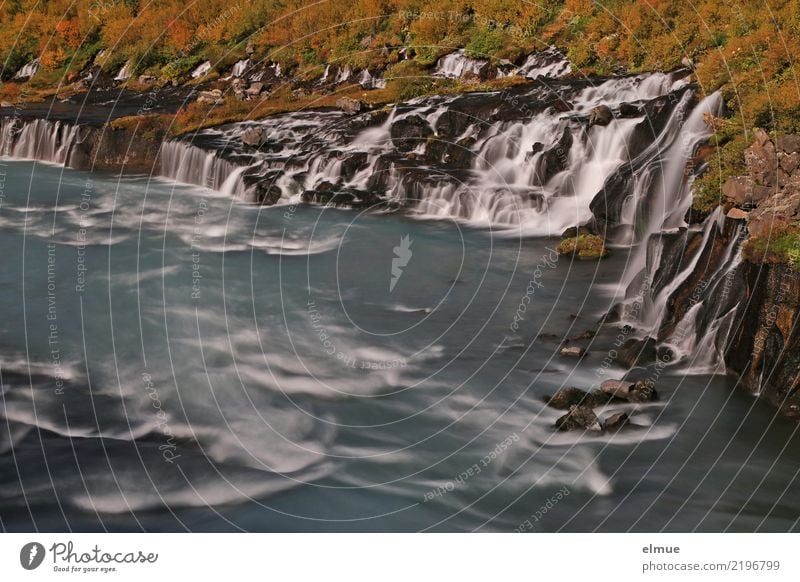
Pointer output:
175, 360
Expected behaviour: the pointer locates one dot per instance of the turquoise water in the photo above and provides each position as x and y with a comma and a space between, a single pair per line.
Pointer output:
175, 360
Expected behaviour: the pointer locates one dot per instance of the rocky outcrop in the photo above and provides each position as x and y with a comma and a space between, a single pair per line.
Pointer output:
765, 346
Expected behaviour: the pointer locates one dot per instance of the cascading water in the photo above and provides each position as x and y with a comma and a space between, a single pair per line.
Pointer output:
126, 72
189, 164
201, 70
28, 71
39, 139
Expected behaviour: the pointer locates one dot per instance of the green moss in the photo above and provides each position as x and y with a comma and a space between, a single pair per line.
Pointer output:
483, 44
726, 160
783, 247
586, 246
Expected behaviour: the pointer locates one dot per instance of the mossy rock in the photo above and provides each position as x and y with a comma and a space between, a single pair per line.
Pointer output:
586, 246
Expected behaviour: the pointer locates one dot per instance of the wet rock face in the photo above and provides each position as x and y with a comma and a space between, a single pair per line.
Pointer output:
555, 159
565, 398
579, 417
409, 132
600, 115
616, 421
765, 349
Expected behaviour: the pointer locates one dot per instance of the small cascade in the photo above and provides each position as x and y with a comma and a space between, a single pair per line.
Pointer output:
126, 72
456, 64
28, 71
550, 63
240, 68
202, 70
369, 81
183, 162
38, 139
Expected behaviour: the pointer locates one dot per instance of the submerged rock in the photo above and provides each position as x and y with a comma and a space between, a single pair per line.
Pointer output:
600, 115
253, 136
616, 421
643, 391
564, 398
617, 388
579, 417
636, 352
586, 246
571, 352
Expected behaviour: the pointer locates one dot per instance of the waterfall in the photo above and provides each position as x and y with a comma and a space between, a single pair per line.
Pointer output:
549, 63
240, 68
28, 71
126, 72
202, 70
183, 162
39, 139
456, 64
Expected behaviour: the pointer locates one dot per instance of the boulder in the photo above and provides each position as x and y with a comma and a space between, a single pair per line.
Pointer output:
789, 144
738, 190
737, 214
635, 352
571, 352
254, 137
266, 193
600, 115
617, 388
643, 391
761, 160
567, 397
408, 132
616, 422
349, 106
585, 246
579, 417
555, 159
629, 110
255, 88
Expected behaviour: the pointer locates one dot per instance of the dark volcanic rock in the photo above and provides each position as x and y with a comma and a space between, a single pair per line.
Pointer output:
637, 352
555, 159
600, 115
616, 422
266, 193
643, 391
564, 398
579, 417
617, 388
407, 133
